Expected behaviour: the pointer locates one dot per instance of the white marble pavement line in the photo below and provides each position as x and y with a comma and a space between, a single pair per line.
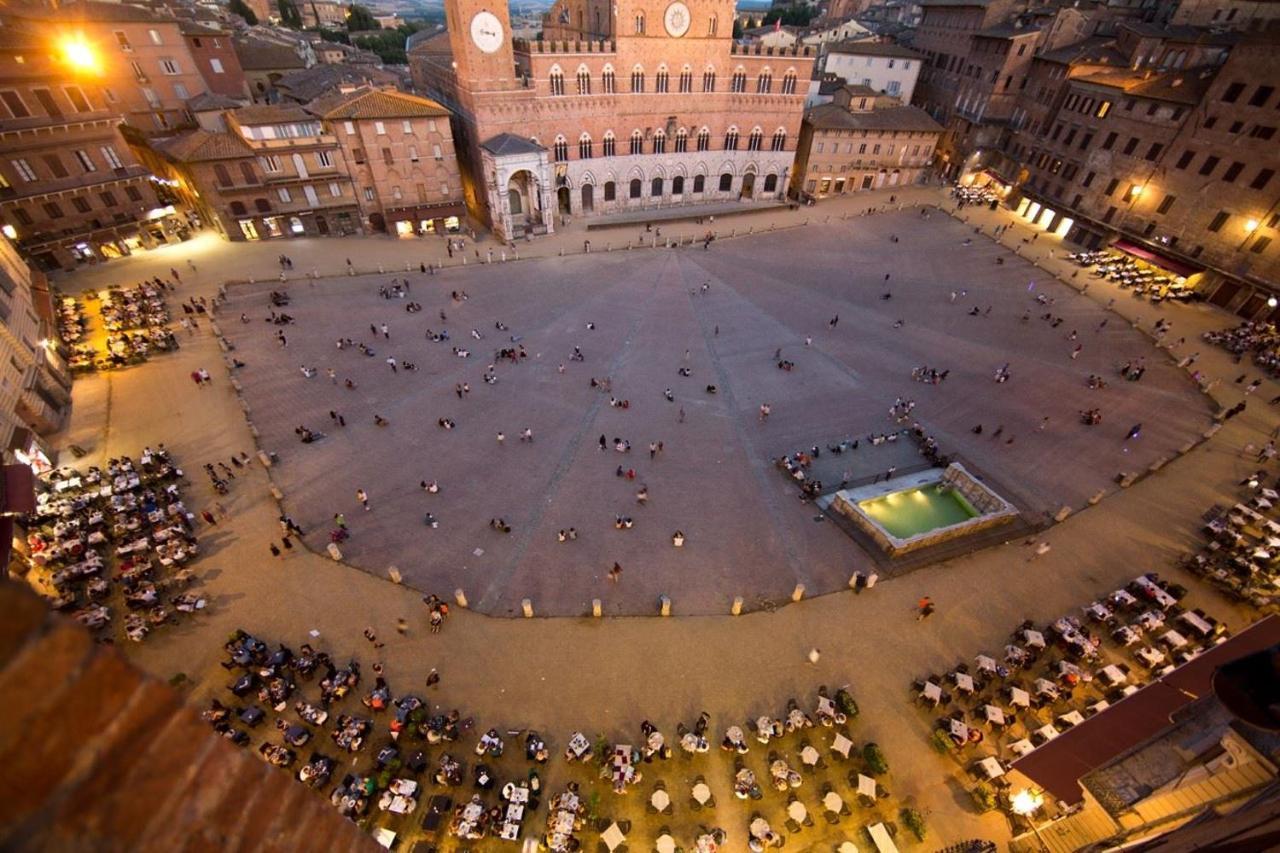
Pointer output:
758, 459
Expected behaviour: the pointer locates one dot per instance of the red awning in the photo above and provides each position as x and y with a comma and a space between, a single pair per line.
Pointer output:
1152, 257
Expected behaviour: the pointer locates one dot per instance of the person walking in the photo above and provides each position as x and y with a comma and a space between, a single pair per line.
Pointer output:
1134, 431
615, 573
925, 607
363, 497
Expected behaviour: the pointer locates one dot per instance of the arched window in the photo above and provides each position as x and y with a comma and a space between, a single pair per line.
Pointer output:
637, 142
789, 82
682, 141
756, 140
764, 83
660, 80
635, 187
677, 185
610, 191
731, 139
726, 182
557, 80
659, 142
686, 79
704, 139
609, 144
656, 188
699, 183
238, 208
771, 183
221, 175
607, 80
584, 80
561, 148
712, 25
637, 79
262, 205
584, 147
780, 140
709, 80
246, 169
738, 83
639, 25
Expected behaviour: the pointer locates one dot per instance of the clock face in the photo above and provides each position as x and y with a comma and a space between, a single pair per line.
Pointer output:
486, 32
677, 19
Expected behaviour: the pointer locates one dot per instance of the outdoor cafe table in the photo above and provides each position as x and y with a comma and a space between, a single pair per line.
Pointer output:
515, 813
1125, 636
866, 787
510, 831
660, 800
959, 729
1047, 731
759, 828
991, 767
932, 692
1113, 674
1018, 696
1071, 718
986, 664
993, 714
1045, 687
1123, 598
665, 844
1197, 623
1100, 705
1021, 747
1098, 611
1033, 638
1151, 620
796, 811
1173, 640
809, 756
562, 822
964, 682
826, 708
706, 844
613, 837
1162, 598
1150, 656
841, 744
579, 744
883, 840
701, 793
832, 802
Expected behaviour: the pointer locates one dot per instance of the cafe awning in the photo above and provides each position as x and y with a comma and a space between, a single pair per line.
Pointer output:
1152, 257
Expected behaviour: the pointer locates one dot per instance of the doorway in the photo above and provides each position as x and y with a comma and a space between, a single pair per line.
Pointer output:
748, 186
588, 198
562, 200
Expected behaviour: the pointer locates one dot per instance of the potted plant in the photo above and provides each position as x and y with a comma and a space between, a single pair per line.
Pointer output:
983, 797
914, 821
874, 757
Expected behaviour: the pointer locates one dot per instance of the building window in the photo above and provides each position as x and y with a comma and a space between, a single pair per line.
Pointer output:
584, 81
1262, 131
755, 140
635, 187
413, 154
731, 139
155, 36
1088, 179
436, 153
52, 210
80, 204
357, 154
686, 80
78, 101
1111, 187
221, 175
406, 127
738, 82
609, 144
789, 83
54, 162
1165, 204
607, 81
388, 157
325, 160
699, 183
1109, 215
285, 196
349, 127
123, 41
655, 188
726, 182
1154, 151
659, 142
1218, 221
396, 193
216, 65
1233, 93
561, 148
557, 82
677, 185
14, 104
1131, 145
682, 141
86, 162
1260, 245
764, 83
1233, 171
704, 140
168, 66
1209, 165
113, 159
637, 80
639, 30
637, 142
610, 191
709, 80
584, 147
712, 25
1261, 95
108, 199
771, 183
379, 128
133, 193
368, 193
335, 190
246, 170
1185, 160
661, 81
269, 163
1109, 141
1262, 179
779, 140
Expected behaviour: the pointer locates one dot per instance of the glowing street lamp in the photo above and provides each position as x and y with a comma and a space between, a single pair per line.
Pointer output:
1026, 803
80, 55
1250, 226
1273, 302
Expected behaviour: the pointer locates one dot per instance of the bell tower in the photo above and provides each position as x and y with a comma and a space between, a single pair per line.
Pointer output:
480, 37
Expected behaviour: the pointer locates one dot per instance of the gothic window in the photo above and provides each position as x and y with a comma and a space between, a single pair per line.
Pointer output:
779, 140
738, 82
709, 80
764, 83
704, 139
755, 140
557, 81
637, 142
561, 148
584, 147
731, 139
609, 144
584, 80
789, 83
607, 80
682, 141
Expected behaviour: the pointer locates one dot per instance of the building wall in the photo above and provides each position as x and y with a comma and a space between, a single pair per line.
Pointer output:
150, 70
35, 389
216, 60
894, 75
837, 162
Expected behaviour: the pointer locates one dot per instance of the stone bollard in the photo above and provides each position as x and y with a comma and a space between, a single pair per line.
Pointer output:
1158, 464
526, 606
1212, 431
1127, 480
1186, 448
394, 574
381, 269
664, 605
798, 592
460, 598
276, 493
334, 552
1097, 498
736, 609
253, 430
596, 609
351, 271
235, 384
1061, 515
854, 579
264, 459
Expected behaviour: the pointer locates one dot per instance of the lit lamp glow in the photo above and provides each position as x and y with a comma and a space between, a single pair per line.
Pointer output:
1273, 302
10, 232
79, 55
1250, 226
1026, 802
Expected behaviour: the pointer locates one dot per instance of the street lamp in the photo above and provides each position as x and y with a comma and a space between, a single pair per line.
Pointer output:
1273, 302
1250, 226
1026, 803
80, 55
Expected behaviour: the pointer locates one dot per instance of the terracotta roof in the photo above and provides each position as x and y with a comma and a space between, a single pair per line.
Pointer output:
1058, 765
87, 10
429, 41
376, 103
308, 84
206, 101
111, 759
1186, 86
199, 146
873, 48
1096, 50
257, 55
270, 114
836, 117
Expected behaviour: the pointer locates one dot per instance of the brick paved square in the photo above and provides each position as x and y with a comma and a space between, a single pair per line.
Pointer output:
746, 532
